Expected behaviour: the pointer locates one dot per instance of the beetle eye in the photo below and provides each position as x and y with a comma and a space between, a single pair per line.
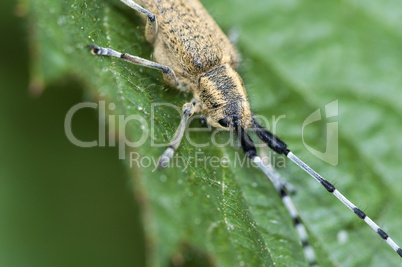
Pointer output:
223, 122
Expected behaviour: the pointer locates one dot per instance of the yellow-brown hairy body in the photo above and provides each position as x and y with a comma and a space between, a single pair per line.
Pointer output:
190, 42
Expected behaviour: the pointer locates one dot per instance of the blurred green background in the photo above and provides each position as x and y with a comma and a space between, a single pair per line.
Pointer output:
59, 205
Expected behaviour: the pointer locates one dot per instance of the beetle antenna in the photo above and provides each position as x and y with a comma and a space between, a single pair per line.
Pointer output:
251, 152
280, 147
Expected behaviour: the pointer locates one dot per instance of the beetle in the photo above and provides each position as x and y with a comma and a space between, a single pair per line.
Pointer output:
194, 55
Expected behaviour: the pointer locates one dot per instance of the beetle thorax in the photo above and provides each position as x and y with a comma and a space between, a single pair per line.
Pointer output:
222, 92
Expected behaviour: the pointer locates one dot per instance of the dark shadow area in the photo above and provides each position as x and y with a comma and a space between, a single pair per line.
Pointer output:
60, 205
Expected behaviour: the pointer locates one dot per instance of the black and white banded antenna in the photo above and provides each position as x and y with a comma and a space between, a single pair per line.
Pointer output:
282, 187
280, 147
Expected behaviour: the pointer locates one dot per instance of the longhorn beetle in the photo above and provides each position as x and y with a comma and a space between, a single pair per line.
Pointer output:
195, 55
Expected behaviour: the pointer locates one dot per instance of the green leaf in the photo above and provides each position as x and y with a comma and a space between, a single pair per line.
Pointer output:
297, 57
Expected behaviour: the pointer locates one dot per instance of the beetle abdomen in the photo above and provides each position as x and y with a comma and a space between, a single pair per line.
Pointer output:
193, 47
